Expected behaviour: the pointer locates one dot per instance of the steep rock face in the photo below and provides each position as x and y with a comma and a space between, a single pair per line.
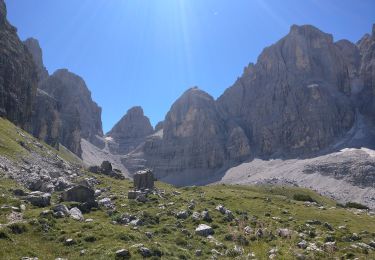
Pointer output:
37, 54
18, 75
295, 99
46, 122
367, 71
80, 116
130, 131
193, 137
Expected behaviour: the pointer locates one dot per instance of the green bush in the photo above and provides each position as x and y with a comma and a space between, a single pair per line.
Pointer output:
17, 228
4, 234
181, 242
125, 237
90, 238
355, 205
303, 197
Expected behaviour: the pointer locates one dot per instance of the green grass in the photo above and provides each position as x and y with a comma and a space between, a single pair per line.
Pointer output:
44, 237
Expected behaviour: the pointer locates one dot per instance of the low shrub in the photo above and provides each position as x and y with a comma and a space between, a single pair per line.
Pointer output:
355, 205
303, 197
17, 228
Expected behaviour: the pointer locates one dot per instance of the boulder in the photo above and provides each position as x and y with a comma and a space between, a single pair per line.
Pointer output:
39, 199
76, 214
143, 180
106, 168
79, 193
204, 230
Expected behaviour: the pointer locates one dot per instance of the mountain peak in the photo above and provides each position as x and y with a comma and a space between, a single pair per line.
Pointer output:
309, 31
33, 47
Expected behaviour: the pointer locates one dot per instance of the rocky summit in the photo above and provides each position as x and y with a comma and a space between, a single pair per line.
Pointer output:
130, 131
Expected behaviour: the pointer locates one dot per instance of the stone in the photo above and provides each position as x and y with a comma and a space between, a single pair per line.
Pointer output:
61, 184
302, 244
196, 216
145, 252
61, 208
284, 233
204, 230
106, 203
19, 192
79, 193
132, 194
182, 214
198, 252
248, 230
76, 214
39, 199
123, 254
330, 246
221, 209
206, 216
106, 168
143, 180
69, 242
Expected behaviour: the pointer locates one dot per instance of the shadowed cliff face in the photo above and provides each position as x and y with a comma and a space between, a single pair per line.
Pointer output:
367, 71
130, 131
18, 75
295, 99
80, 116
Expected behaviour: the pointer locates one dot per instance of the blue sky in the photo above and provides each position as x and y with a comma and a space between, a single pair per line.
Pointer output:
148, 52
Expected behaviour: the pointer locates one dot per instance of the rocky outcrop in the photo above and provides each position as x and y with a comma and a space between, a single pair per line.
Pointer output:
130, 131
18, 75
295, 99
80, 116
37, 54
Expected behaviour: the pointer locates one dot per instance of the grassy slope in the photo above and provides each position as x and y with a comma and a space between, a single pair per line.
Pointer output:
44, 237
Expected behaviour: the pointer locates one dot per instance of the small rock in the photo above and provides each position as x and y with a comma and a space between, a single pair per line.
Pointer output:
302, 244
122, 254
148, 235
221, 209
182, 214
76, 214
145, 252
198, 252
69, 242
106, 203
206, 216
39, 199
61, 208
248, 230
284, 233
204, 230
330, 246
